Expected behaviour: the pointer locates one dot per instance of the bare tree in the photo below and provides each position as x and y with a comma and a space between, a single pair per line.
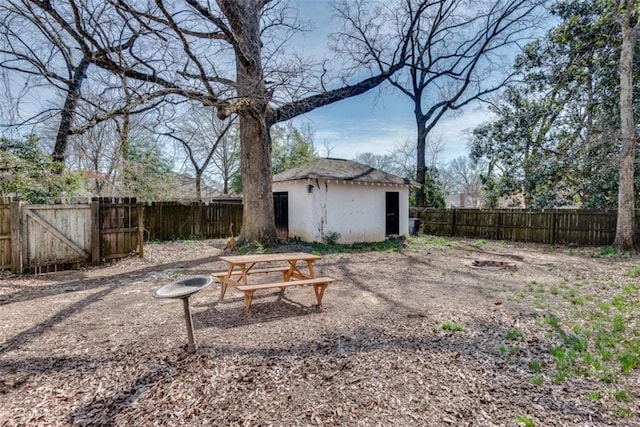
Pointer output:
434, 145
32, 47
199, 133
226, 55
327, 148
36, 47
382, 162
630, 23
12, 94
404, 159
97, 154
226, 160
465, 177
456, 57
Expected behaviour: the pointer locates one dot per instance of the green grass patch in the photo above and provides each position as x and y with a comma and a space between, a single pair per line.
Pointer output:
601, 343
453, 327
535, 366
537, 380
515, 335
628, 361
619, 324
508, 350
525, 422
620, 302
608, 251
553, 321
594, 396
623, 413
433, 242
622, 396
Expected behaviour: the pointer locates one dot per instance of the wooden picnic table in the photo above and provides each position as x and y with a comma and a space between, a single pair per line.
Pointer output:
296, 268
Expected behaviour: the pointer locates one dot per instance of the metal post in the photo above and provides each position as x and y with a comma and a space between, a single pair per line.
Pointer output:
191, 347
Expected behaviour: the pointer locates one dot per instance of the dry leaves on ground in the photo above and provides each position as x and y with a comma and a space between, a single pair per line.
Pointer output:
421, 336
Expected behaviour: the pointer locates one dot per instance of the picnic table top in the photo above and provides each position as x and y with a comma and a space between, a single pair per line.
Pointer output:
286, 256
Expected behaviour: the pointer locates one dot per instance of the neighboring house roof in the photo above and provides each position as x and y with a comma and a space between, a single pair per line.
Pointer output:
340, 169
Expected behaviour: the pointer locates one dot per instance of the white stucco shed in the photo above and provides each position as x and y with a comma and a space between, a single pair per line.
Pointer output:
327, 195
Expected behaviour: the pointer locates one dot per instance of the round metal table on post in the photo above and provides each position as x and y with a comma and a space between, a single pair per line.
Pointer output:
183, 289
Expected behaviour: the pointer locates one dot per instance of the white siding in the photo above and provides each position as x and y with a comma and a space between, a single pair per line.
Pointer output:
300, 214
355, 210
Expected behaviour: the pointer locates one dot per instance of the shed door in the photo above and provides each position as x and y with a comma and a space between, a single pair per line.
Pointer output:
281, 207
393, 212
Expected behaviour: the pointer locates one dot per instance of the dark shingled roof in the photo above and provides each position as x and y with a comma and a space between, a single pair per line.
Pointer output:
339, 169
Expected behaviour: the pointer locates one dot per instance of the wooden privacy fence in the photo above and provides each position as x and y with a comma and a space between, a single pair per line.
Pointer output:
42, 238
170, 220
561, 226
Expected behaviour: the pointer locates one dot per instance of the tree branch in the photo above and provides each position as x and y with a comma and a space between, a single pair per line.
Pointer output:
296, 108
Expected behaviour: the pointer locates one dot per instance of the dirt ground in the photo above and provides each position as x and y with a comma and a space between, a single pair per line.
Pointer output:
416, 337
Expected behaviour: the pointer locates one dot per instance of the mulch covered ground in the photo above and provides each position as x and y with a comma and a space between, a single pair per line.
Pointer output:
416, 337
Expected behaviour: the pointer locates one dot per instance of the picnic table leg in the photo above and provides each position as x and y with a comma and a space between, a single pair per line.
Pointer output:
286, 276
248, 298
319, 291
223, 281
312, 273
223, 287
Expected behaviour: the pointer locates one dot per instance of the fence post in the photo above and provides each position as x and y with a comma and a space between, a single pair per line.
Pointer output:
552, 228
453, 222
95, 232
16, 237
140, 230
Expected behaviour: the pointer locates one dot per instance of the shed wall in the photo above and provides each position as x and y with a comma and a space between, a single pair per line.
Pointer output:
300, 208
355, 210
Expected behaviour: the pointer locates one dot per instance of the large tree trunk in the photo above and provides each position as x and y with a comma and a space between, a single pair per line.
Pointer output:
625, 229
258, 221
68, 112
255, 162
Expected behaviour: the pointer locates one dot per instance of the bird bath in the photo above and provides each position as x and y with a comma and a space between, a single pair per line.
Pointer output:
183, 289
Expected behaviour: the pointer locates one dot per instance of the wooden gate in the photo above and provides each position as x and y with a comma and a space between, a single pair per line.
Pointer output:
120, 225
55, 236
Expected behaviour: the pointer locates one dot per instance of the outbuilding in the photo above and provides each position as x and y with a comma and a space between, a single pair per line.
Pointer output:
330, 198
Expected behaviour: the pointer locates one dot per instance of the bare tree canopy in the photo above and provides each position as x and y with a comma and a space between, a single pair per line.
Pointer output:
199, 133
231, 55
456, 56
51, 61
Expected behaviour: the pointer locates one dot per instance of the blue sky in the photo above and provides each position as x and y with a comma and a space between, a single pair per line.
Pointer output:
369, 123
378, 120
